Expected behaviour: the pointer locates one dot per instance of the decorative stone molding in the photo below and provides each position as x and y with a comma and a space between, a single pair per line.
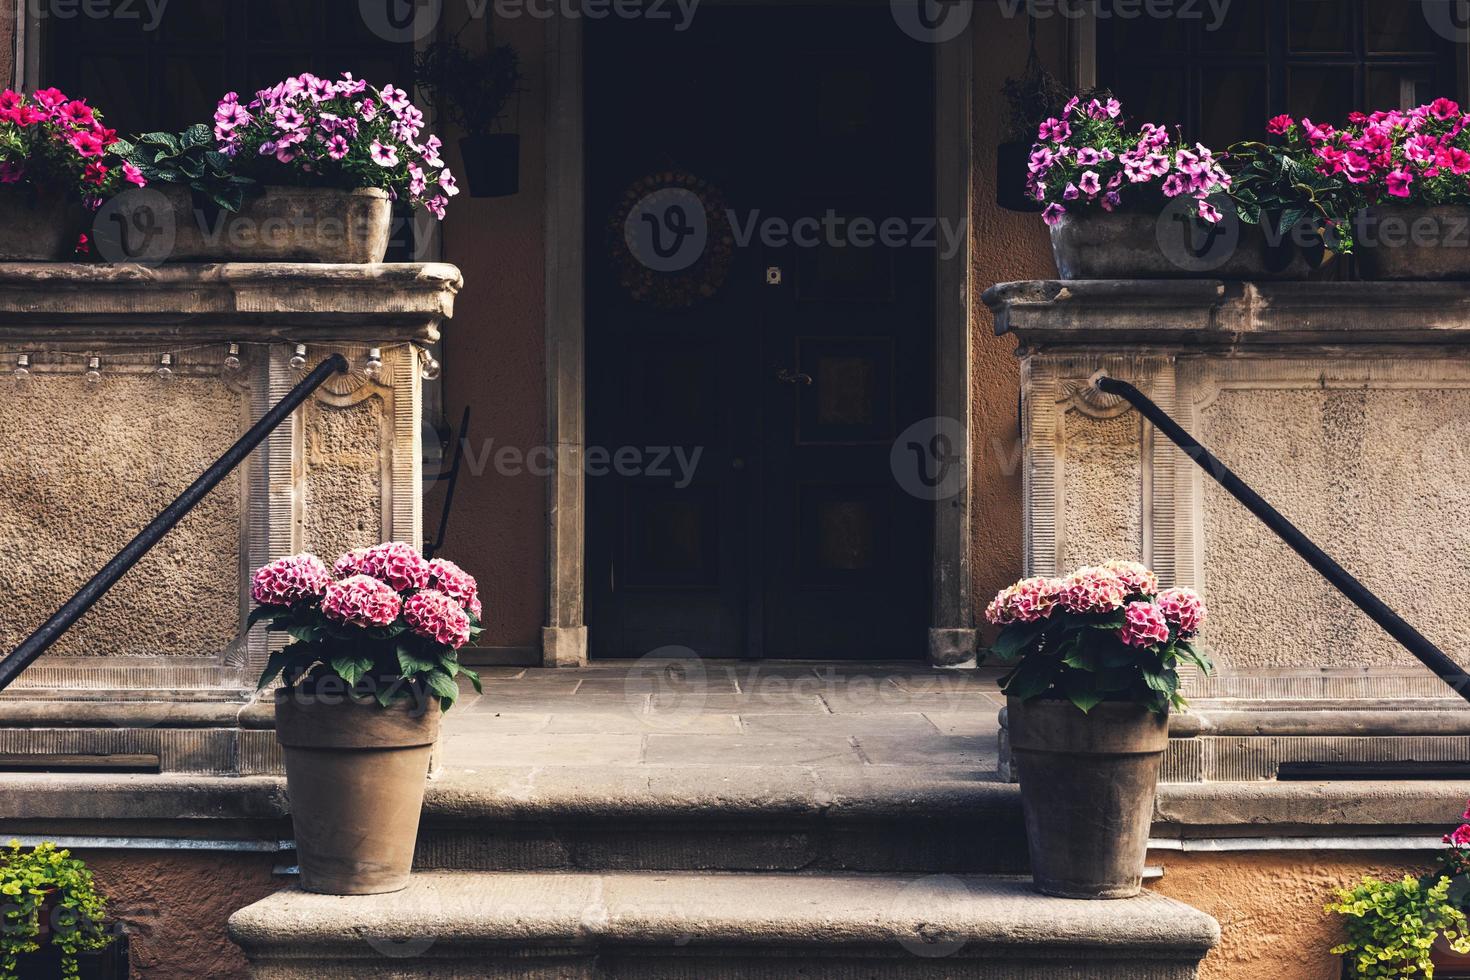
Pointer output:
344, 472
1345, 404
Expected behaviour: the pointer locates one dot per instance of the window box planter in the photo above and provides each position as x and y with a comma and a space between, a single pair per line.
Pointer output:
1415, 242
277, 224
1143, 245
37, 228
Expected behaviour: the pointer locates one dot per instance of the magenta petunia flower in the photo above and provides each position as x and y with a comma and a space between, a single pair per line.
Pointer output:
361, 601
1280, 125
435, 616
1053, 214
1399, 182
287, 581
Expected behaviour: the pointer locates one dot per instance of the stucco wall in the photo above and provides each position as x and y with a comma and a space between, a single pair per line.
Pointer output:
493, 357
1269, 906
174, 906
1006, 247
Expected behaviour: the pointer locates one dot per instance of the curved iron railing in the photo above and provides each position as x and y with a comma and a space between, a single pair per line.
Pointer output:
87, 596
1341, 579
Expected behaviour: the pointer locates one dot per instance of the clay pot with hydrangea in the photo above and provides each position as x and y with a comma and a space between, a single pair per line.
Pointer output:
371, 663
1096, 659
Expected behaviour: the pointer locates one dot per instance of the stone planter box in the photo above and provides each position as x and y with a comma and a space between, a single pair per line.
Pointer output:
167, 223
35, 229
1415, 243
1141, 245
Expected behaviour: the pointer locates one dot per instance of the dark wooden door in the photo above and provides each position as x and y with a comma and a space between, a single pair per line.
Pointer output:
775, 527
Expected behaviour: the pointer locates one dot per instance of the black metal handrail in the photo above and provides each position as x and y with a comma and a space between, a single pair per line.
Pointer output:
1412, 640
88, 595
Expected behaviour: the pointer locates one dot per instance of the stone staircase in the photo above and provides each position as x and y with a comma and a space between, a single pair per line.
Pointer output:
701, 873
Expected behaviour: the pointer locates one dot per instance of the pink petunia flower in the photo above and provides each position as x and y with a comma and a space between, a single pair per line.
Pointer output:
1280, 125
1399, 182
1053, 214
383, 155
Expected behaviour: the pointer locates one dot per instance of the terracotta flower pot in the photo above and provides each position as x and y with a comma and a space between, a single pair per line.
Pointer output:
1087, 790
1095, 244
36, 228
168, 223
355, 773
1406, 242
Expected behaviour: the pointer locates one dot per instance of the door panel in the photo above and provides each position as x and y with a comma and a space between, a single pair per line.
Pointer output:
790, 538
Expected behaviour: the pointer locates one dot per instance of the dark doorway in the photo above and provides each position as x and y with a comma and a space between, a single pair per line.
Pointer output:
741, 411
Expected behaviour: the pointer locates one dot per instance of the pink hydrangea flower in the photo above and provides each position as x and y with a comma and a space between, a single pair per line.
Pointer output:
436, 616
287, 581
361, 600
1184, 610
455, 582
396, 563
1093, 590
1144, 625
1027, 601
1137, 579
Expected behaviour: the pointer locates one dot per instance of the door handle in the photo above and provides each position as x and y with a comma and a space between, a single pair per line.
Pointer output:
793, 377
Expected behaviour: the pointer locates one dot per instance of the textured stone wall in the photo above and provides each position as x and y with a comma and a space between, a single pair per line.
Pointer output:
1103, 478
1378, 476
83, 470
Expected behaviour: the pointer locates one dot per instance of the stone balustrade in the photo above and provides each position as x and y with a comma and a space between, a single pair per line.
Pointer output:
1347, 405
161, 666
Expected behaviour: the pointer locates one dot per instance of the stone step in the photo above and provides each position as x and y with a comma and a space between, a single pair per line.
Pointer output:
706, 819
455, 926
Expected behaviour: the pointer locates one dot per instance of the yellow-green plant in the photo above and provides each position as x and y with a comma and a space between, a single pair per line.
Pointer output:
78, 915
1392, 926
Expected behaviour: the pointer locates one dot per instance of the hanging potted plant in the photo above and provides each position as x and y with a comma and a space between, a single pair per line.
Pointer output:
54, 922
1413, 170
474, 90
373, 663
316, 166
1139, 204
1031, 98
1097, 658
57, 159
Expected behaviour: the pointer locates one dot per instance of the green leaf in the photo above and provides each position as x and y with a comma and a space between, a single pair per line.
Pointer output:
261, 613
384, 694
1165, 682
273, 667
411, 665
197, 135
474, 679
304, 633
1032, 678
1015, 639
351, 669
1086, 700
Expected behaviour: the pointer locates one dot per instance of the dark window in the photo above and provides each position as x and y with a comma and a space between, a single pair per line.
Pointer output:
171, 74
1316, 58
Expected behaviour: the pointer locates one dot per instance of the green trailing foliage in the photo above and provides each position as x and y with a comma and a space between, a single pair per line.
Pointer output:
48, 881
1278, 187
1392, 926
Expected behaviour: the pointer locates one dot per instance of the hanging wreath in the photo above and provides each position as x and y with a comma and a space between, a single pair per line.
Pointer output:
671, 240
